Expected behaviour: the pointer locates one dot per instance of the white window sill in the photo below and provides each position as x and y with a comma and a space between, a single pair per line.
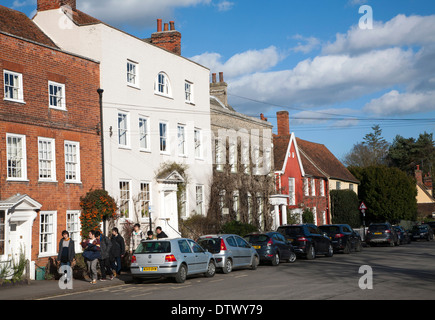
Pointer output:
190, 102
46, 255
47, 181
124, 147
163, 95
14, 100
145, 150
73, 182
17, 180
134, 86
58, 108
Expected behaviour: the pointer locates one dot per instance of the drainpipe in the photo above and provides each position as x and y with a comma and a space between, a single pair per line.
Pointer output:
103, 175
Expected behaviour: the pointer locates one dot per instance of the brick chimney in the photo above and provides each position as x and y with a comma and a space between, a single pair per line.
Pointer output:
419, 175
427, 180
262, 117
283, 121
219, 89
169, 38
44, 5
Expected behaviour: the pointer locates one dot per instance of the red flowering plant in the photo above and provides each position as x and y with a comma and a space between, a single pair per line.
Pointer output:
96, 206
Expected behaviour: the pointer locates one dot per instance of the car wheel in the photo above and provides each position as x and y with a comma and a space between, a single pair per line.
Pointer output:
255, 263
330, 251
181, 274
347, 248
311, 253
275, 260
211, 270
228, 267
292, 257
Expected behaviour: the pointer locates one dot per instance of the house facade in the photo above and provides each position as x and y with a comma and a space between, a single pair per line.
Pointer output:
156, 110
425, 198
243, 157
50, 143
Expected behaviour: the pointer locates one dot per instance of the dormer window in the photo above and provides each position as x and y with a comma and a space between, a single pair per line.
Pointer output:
162, 85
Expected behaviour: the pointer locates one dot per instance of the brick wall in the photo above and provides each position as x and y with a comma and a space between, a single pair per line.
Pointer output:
35, 119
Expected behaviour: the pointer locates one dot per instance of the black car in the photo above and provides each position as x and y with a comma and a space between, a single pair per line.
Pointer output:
272, 247
422, 231
381, 233
343, 237
432, 225
307, 240
403, 235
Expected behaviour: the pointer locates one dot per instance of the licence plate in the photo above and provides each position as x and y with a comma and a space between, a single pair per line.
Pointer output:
378, 233
150, 269
257, 247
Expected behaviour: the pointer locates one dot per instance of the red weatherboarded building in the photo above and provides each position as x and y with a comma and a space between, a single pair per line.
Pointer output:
50, 148
303, 172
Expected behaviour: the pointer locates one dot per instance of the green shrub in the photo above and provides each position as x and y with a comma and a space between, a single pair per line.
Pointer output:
239, 228
344, 208
307, 216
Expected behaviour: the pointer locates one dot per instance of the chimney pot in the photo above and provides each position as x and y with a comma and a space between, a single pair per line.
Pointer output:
213, 77
172, 25
221, 77
166, 27
159, 25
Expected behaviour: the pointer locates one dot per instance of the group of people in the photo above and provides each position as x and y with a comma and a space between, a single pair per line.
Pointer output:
102, 250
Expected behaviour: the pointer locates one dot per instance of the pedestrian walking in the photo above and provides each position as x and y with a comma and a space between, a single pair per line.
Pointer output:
106, 247
118, 251
91, 253
136, 237
160, 233
66, 251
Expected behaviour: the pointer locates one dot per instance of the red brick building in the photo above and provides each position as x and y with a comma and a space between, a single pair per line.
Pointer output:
303, 172
50, 146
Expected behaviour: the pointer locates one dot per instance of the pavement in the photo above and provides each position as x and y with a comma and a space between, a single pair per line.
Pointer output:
51, 288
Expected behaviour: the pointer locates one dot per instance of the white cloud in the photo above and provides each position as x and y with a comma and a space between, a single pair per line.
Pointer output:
241, 63
394, 102
311, 43
225, 5
137, 13
399, 31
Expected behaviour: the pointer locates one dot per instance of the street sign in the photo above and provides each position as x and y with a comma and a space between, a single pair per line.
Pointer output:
362, 206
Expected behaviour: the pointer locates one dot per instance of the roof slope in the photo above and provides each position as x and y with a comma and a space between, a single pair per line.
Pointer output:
18, 24
323, 159
280, 146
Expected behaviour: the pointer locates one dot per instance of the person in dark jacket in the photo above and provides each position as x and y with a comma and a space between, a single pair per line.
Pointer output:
160, 233
91, 253
106, 248
66, 251
118, 251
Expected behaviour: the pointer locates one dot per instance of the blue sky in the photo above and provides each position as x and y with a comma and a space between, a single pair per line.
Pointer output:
308, 57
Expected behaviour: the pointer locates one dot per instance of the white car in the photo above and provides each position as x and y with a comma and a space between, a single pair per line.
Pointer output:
171, 258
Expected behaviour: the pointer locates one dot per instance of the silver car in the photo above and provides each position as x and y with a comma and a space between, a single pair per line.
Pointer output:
171, 258
230, 251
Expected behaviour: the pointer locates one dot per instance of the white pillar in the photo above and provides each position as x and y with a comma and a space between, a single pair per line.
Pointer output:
276, 217
284, 214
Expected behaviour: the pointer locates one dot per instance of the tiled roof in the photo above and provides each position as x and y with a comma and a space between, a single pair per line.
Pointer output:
82, 18
18, 24
280, 146
323, 159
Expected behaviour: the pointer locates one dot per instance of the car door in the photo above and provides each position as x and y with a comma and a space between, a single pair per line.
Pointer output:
234, 251
318, 239
285, 249
201, 258
349, 235
188, 255
244, 251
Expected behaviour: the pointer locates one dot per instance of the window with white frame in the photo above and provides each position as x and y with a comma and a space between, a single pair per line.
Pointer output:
219, 154
351, 186
181, 136
188, 91
13, 85
236, 204
73, 227
199, 199
245, 157
132, 73
47, 233
306, 187
313, 187
314, 211
232, 157
162, 85
56, 94
163, 131
144, 134
16, 157
292, 191
72, 161
2, 232
123, 139
183, 203
144, 199
198, 143
322, 188
46, 159
338, 185
124, 198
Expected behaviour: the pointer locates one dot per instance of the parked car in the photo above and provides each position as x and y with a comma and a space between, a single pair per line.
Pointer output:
343, 237
230, 251
381, 233
423, 231
402, 234
307, 240
432, 225
272, 246
171, 258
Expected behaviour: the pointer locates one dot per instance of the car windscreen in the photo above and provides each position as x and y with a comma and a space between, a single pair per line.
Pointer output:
256, 238
330, 229
419, 228
154, 247
291, 231
213, 245
378, 227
